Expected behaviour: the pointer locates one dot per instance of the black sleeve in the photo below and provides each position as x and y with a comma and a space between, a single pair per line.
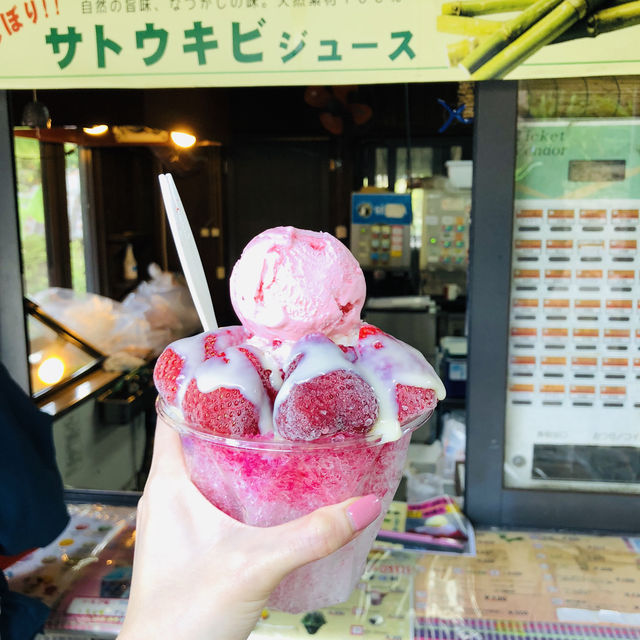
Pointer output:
32, 508
21, 617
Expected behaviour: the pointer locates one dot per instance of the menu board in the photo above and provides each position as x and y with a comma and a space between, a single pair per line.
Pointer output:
573, 383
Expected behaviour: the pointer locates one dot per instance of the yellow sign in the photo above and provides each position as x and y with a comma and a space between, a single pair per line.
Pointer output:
186, 43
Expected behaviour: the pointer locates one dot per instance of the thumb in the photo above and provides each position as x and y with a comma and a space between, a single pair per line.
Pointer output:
321, 532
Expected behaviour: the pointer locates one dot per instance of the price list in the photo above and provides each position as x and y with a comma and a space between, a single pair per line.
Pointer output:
574, 342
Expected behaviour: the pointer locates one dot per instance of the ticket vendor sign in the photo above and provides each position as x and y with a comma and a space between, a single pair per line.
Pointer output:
179, 43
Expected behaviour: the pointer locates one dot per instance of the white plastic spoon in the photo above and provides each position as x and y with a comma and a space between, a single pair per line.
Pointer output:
188, 252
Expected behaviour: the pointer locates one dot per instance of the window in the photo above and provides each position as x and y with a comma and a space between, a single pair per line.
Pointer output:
31, 215
52, 230
74, 213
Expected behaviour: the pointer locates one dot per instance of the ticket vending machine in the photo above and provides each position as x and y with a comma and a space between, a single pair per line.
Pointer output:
573, 393
554, 366
380, 230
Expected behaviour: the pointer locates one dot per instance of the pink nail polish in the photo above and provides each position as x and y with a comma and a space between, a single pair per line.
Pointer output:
364, 511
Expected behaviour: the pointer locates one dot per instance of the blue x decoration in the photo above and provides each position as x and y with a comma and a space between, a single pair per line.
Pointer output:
454, 114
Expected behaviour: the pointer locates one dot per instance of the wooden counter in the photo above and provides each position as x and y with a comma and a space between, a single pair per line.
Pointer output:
542, 585
69, 396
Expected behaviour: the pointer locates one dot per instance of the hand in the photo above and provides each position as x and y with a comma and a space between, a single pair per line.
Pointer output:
198, 573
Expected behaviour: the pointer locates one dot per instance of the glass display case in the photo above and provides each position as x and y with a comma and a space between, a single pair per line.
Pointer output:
57, 356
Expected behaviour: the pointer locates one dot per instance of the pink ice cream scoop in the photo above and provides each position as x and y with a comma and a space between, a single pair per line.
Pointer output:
290, 282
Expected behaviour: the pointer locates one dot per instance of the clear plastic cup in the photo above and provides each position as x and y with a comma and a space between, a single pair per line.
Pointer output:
264, 482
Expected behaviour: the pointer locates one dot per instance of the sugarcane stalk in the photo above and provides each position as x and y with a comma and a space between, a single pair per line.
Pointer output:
614, 18
483, 7
457, 51
467, 26
624, 13
576, 31
511, 29
544, 31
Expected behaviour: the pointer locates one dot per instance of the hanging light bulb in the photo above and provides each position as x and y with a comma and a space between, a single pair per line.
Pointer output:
35, 114
96, 130
183, 139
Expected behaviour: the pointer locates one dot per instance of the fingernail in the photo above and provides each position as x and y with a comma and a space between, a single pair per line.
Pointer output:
364, 511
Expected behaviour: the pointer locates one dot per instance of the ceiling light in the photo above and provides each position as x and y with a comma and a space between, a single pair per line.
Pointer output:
96, 130
183, 139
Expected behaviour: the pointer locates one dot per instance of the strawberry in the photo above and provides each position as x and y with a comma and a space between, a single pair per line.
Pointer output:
217, 341
367, 330
349, 352
170, 365
391, 358
226, 410
325, 404
222, 412
265, 374
335, 402
414, 402
166, 372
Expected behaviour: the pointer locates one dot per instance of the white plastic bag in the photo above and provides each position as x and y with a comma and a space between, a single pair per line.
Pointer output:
165, 302
454, 440
423, 486
156, 313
